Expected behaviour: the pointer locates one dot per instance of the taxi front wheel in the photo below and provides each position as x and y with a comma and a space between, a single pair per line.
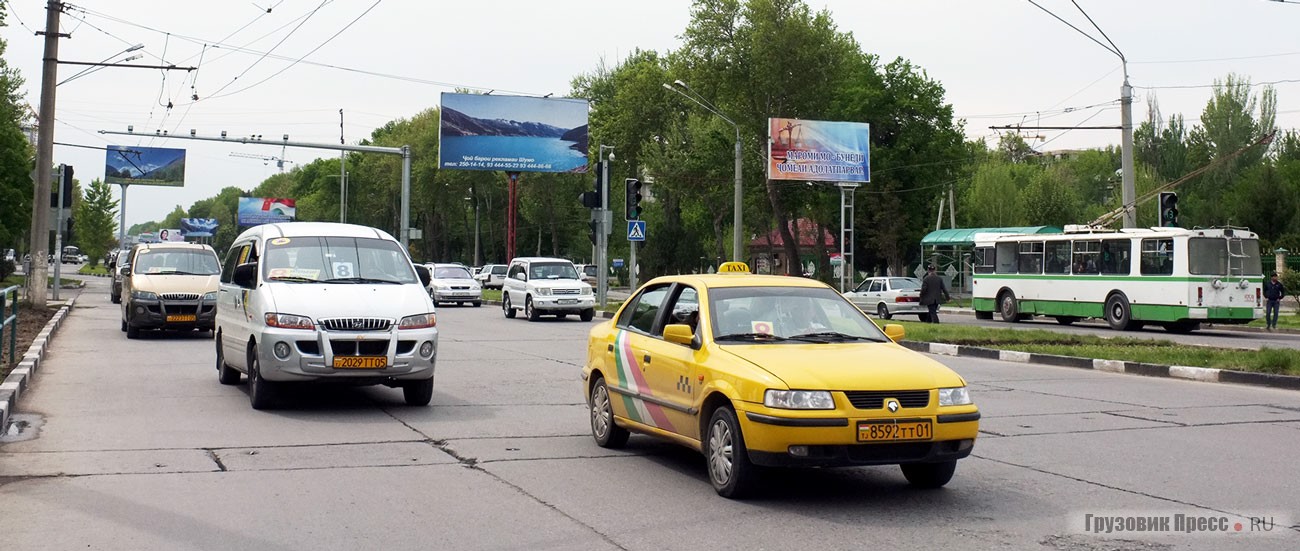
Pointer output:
730, 471
929, 475
603, 429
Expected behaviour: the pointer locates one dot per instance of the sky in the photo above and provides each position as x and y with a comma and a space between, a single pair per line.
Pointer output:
1001, 62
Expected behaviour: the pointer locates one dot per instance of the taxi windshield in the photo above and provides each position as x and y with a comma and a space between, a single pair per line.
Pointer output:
747, 315
336, 260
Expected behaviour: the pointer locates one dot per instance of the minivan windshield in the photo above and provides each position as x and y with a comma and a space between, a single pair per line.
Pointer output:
176, 262
552, 270
336, 260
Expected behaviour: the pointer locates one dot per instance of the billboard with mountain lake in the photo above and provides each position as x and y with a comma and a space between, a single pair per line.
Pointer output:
513, 133
144, 166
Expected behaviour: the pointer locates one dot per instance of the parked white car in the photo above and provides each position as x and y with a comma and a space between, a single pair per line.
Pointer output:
889, 296
453, 283
313, 301
546, 286
491, 276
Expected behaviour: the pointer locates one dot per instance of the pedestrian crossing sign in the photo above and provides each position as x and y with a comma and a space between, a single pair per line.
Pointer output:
636, 230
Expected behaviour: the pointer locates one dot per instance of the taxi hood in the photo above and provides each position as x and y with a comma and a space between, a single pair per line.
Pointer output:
847, 366
341, 300
174, 283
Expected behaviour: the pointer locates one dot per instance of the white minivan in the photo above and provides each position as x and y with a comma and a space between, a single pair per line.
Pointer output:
324, 302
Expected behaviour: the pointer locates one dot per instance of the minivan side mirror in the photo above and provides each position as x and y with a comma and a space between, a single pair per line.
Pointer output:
425, 276
245, 275
126, 270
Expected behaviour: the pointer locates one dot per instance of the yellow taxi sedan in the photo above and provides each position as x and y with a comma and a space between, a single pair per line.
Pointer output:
774, 371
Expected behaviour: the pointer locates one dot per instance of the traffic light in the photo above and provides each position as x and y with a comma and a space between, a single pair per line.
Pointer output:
595, 227
67, 189
591, 199
1169, 209
633, 199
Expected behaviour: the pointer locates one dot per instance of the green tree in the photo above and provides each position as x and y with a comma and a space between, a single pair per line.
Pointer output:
15, 157
1232, 119
96, 222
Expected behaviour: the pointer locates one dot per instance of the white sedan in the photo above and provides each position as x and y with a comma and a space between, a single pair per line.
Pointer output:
453, 283
889, 296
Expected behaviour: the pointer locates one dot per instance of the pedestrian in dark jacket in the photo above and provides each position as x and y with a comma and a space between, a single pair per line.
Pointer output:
933, 293
1273, 293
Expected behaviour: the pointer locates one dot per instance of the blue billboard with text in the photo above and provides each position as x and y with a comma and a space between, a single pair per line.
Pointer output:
512, 133
819, 151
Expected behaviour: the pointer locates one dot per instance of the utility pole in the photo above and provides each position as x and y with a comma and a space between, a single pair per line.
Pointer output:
343, 175
1126, 150
40, 238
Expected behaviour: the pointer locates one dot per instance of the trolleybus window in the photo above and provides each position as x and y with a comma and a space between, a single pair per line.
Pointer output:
1031, 257
982, 260
1116, 256
1157, 256
1207, 256
1006, 258
1058, 257
1085, 256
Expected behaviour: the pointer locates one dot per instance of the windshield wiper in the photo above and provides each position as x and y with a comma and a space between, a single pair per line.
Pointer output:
757, 337
827, 336
293, 279
360, 280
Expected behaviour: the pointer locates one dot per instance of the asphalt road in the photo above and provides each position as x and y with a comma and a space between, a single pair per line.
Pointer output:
133, 444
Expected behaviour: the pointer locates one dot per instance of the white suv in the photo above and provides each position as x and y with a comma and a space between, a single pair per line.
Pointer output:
548, 286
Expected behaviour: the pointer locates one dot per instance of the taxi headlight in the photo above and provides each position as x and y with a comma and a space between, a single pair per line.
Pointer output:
956, 396
210, 296
798, 399
542, 291
289, 321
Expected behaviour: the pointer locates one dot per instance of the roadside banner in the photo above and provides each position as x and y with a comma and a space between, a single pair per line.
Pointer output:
198, 227
144, 166
265, 210
818, 151
512, 133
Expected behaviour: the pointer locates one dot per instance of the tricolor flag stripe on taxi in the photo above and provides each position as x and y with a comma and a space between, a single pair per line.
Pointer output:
631, 378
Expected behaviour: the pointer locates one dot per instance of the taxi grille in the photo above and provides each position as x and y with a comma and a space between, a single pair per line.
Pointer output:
356, 324
875, 399
179, 296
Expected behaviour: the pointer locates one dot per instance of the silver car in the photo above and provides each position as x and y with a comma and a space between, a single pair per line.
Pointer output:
453, 283
889, 296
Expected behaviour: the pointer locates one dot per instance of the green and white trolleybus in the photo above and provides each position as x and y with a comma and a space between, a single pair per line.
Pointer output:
1174, 277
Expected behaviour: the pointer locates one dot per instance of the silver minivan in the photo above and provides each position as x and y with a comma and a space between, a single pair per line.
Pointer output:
324, 302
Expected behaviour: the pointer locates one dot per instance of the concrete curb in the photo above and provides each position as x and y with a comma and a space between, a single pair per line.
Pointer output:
19, 379
1203, 374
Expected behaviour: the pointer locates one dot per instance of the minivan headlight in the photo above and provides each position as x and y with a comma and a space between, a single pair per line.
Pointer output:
798, 399
418, 321
144, 295
955, 396
210, 296
289, 321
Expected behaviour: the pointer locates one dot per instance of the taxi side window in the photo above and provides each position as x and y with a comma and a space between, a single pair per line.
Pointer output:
640, 315
232, 259
685, 308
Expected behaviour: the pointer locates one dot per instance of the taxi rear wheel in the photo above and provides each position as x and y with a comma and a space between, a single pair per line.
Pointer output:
603, 430
729, 468
929, 475
226, 375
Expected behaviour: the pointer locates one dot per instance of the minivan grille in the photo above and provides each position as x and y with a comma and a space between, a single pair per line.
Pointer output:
565, 291
356, 324
179, 296
875, 399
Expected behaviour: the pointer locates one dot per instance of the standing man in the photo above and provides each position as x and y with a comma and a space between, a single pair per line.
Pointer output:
1273, 293
932, 288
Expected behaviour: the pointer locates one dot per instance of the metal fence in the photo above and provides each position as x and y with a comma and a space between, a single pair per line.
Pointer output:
10, 315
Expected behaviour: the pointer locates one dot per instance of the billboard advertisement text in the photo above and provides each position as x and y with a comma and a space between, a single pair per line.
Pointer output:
513, 133
819, 151
265, 210
144, 166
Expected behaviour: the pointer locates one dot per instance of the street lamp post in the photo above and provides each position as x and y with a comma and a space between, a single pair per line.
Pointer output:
94, 68
738, 217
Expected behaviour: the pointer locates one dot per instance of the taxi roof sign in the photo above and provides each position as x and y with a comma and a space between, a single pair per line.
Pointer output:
733, 268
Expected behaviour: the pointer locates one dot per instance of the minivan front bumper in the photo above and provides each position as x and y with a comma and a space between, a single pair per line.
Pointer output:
310, 355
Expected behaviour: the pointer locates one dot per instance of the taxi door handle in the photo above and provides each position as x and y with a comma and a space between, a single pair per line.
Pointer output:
610, 349
646, 358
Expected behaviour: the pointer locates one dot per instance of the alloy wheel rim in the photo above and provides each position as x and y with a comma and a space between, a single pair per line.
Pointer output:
600, 415
720, 452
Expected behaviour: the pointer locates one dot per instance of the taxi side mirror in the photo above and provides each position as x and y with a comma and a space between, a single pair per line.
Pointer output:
425, 276
895, 332
679, 333
126, 270
245, 275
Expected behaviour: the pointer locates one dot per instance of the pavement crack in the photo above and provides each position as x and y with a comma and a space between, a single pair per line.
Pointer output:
608, 539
